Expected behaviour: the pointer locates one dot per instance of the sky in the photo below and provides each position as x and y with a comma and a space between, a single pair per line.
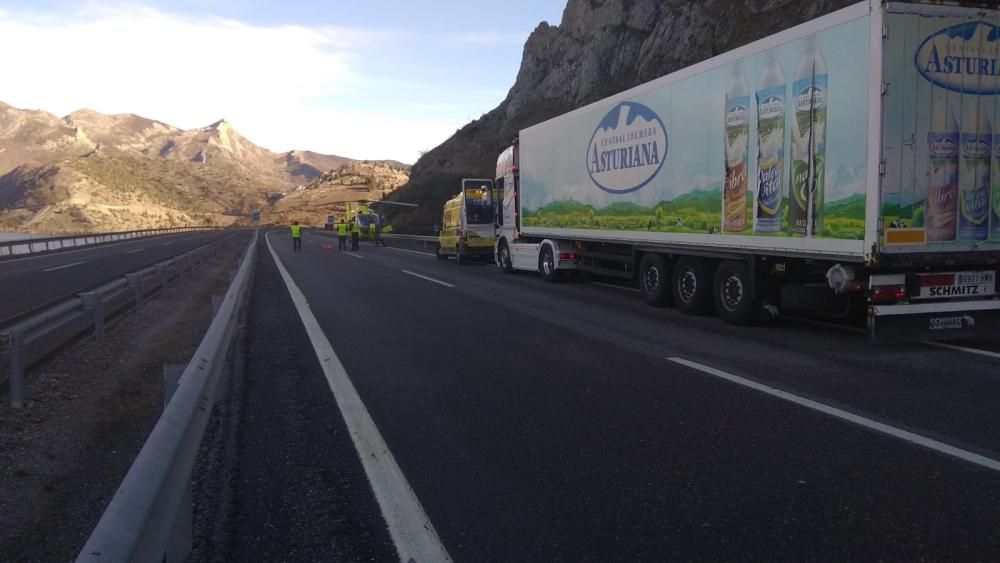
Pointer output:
379, 79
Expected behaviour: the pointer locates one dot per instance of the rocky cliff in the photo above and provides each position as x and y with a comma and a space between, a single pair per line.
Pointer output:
601, 47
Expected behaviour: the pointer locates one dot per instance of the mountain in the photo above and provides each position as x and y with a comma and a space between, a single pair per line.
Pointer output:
601, 47
90, 171
359, 180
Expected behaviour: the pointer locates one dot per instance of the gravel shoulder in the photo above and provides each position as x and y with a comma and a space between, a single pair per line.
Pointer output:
90, 409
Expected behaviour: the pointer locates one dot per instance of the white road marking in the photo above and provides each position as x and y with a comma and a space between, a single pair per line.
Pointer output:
976, 351
416, 275
868, 423
602, 284
411, 530
134, 251
65, 266
168, 243
355, 255
410, 251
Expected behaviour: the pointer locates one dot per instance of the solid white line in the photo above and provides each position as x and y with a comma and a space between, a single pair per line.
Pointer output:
410, 251
168, 243
354, 255
879, 427
416, 275
976, 351
410, 528
134, 251
614, 286
65, 266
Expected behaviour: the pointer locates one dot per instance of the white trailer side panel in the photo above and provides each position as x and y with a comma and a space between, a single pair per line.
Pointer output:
761, 149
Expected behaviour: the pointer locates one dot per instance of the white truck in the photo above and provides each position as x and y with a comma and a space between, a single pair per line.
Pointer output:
848, 165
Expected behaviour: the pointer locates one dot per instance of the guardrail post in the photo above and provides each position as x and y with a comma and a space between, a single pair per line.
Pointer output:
163, 274
135, 282
16, 338
92, 301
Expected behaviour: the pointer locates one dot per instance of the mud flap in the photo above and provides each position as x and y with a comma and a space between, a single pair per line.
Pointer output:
938, 321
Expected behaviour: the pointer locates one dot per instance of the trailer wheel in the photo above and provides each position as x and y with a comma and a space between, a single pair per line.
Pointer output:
503, 258
547, 265
439, 254
654, 280
692, 285
734, 293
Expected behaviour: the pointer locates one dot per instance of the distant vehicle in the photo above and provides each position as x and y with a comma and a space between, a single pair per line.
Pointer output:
467, 227
844, 166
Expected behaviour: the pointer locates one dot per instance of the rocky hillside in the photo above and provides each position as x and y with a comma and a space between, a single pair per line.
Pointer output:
368, 180
601, 47
93, 172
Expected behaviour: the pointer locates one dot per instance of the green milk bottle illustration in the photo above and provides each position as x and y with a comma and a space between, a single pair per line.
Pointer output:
808, 177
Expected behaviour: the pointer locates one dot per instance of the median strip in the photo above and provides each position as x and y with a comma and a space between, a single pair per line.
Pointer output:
423, 277
868, 423
64, 266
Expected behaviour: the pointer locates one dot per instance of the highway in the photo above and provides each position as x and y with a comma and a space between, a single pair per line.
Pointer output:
39, 280
551, 422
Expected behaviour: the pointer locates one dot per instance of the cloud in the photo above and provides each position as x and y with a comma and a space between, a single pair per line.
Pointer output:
276, 84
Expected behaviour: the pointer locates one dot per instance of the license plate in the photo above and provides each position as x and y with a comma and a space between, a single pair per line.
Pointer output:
957, 284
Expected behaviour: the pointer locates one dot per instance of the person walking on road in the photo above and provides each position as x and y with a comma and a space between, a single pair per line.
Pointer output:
296, 236
355, 236
342, 234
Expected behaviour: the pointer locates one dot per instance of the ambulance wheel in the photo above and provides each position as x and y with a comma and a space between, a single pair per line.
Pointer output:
734, 293
547, 265
692, 285
459, 257
654, 280
503, 259
440, 255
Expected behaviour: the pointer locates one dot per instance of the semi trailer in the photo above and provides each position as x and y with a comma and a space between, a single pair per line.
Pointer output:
845, 166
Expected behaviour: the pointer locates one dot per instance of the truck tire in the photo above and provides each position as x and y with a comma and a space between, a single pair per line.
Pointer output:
503, 258
692, 285
439, 254
734, 293
654, 280
547, 265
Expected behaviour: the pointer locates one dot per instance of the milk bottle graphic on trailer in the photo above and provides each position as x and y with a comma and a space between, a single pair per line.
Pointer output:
734, 195
941, 205
974, 174
808, 176
771, 92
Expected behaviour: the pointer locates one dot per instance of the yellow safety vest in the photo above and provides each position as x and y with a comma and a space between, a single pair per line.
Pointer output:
371, 228
296, 231
342, 229
355, 228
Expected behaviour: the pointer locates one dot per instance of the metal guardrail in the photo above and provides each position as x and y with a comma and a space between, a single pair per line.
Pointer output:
409, 237
32, 338
142, 521
29, 246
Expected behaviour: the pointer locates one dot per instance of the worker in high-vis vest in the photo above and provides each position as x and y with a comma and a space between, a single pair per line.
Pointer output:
371, 232
296, 236
342, 234
355, 236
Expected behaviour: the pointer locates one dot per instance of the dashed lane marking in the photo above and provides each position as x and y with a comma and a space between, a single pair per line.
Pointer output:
64, 266
868, 423
423, 277
411, 530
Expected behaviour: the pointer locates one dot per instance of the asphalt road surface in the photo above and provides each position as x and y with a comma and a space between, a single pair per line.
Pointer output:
34, 281
571, 422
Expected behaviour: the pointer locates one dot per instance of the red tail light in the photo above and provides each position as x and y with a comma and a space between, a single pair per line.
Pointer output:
888, 294
567, 256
